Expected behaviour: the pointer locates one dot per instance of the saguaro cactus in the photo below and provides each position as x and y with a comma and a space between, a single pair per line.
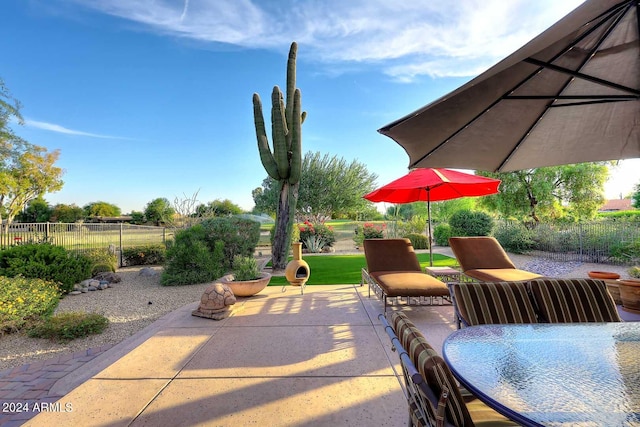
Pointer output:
284, 162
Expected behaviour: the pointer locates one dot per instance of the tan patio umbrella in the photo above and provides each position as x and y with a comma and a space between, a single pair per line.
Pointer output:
570, 95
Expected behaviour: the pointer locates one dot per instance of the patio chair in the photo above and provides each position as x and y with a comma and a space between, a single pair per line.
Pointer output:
433, 396
393, 270
484, 259
479, 303
573, 300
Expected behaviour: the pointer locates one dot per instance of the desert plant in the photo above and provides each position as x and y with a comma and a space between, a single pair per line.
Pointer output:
69, 326
239, 236
245, 268
47, 262
634, 272
418, 241
23, 300
190, 260
103, 259
284, 162
470, 223
514, 237
144, 255
318, 235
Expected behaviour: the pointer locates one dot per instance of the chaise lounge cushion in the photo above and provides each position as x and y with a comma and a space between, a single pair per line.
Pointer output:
573, 300
484, 259
409, 284
501, 274
480, 303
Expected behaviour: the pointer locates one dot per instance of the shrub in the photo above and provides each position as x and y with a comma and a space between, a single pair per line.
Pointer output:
634, 272
103, 260
69, 326
418, 241
470, 223
144, 255
514, 237
318, 236
245, 268
239, 236
416, 225
47, 262
190, 260
441, 234
23, 300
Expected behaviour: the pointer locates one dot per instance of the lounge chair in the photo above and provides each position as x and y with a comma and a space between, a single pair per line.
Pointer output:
393, 270
433, 396
483, 259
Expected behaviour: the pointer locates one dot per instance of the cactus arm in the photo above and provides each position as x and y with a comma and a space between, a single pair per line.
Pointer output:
296, 139
279, 133
266, 157
291, 81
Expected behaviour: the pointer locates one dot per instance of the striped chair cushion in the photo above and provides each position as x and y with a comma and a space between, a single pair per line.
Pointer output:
493, 303
573, 300
426, 360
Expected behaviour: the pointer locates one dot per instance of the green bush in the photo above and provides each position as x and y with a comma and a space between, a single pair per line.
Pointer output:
441, 234
416, 225
47, 262
626, 251
69, 326
102, 259
144, 255
239, 236
470, 223
23, 300
634, 272
418, 241
190, 260
514, 237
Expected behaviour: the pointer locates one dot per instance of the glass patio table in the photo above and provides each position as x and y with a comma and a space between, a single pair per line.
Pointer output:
585, 374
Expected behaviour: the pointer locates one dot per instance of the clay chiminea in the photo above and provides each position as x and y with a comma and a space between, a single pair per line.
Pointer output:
297, 271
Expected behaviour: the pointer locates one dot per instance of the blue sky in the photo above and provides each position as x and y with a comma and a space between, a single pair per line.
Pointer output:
152, 98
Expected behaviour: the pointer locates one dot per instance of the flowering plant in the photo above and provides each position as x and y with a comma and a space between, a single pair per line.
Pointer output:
316, 237
369, 230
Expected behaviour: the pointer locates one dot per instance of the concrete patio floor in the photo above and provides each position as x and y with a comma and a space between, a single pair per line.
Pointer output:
281, 358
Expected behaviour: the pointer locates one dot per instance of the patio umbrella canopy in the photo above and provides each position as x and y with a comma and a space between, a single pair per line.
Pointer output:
430, 185
570, 95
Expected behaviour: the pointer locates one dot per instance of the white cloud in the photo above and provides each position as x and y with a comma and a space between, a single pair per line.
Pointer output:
61, 129
402, 39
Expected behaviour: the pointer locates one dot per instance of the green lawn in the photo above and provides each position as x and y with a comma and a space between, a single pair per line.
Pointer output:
346, 269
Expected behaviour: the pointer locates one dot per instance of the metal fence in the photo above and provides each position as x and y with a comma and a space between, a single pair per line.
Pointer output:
609, 242
84, 236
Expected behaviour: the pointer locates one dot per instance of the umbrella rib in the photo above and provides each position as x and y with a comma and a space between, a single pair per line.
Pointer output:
607, 15
620, 14
581, 75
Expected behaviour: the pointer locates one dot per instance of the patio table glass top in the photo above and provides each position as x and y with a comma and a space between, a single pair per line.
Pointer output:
552, 374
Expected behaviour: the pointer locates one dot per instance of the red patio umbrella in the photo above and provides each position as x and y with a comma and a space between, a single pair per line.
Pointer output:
431, 184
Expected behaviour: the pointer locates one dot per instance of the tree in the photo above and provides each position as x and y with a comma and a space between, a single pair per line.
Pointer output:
329, 187
67, 213
635, 197
159, 211
568, 191
218, 208
37, 210
284, 162
27, 171
96, 209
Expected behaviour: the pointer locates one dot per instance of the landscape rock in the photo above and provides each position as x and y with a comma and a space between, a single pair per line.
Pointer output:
75, 293
148, 271
108, 276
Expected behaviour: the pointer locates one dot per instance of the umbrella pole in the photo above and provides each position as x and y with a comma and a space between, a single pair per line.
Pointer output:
429, 228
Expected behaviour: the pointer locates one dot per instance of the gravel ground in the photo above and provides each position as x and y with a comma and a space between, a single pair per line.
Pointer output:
137, 301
